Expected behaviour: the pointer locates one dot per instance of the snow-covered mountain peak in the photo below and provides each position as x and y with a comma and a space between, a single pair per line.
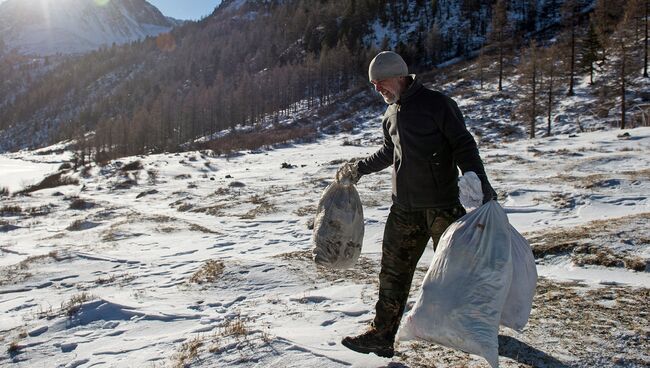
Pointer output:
46, 27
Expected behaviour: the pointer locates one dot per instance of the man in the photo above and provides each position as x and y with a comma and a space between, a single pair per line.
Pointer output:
425, 140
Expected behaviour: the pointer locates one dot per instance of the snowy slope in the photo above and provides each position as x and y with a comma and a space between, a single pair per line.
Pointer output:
205, 260
45, 27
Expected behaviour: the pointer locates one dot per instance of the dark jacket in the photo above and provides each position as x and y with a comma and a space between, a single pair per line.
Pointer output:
425, 139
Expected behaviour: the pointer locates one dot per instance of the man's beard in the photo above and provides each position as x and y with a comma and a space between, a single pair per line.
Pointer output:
389, 98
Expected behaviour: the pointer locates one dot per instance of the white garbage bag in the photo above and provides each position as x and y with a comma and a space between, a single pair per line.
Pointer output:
524, 273
470, 192
338, 227
524, 281
463, 293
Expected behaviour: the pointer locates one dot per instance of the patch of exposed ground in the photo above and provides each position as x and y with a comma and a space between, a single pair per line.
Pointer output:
571, 325
364, 271
619, 243
23, 270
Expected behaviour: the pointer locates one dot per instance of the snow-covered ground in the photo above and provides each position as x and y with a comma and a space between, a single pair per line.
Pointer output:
202, 261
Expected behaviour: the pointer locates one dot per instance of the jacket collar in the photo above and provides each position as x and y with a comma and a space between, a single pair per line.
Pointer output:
411, 91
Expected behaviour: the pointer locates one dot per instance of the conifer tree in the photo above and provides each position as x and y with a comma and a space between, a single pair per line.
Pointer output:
590, 47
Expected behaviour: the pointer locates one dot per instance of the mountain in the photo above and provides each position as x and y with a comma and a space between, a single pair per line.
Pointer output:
254, 63
47, 27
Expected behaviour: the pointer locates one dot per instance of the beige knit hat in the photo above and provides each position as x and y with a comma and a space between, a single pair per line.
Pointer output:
387, 64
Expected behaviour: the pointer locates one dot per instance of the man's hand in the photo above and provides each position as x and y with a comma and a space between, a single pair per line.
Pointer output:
348, 172
489, 194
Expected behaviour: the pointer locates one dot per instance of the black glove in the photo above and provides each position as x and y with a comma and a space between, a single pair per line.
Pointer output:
349, 171
489, 194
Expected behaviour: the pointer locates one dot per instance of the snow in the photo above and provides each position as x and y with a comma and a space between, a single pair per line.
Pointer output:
130, 259
17, 174
45, 27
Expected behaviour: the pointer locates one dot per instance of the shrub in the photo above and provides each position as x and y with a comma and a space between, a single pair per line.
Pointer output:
10, 210
153, 176
133, 166
52, 181
80, 204
65, 166
4, 192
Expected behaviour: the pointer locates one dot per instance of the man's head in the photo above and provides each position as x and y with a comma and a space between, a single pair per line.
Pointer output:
389, 74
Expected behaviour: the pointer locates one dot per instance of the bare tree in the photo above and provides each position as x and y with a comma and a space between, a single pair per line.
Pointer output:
481, 67
646, 10
626, 62
529, 86
570, 15
499, 33
549, 67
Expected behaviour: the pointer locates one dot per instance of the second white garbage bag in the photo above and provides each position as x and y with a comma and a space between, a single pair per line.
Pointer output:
519, 302
338, 227
463, 293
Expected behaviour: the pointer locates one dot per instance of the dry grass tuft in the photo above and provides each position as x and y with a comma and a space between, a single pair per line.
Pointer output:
14, 348
187, 353
202, 229
209, 272
77, 225
73, 305
309, 210
24, 264
18, 272
236, 327
263, 207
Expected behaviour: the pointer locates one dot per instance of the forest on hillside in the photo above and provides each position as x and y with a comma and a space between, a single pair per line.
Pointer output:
258, 64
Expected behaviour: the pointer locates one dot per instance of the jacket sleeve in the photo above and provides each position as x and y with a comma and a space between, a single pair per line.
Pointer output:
462, 143
380, 159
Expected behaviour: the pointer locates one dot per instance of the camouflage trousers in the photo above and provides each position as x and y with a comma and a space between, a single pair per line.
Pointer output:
405, 237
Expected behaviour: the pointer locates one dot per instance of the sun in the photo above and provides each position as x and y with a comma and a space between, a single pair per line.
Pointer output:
101, 2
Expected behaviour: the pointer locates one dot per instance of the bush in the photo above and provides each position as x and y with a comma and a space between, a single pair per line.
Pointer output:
65, 166
4, 192
10, 210
52, 181
80, 204
133, 166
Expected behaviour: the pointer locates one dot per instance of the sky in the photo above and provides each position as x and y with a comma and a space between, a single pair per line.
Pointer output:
183, 9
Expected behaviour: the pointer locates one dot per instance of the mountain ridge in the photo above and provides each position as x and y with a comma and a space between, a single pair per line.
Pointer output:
47, 27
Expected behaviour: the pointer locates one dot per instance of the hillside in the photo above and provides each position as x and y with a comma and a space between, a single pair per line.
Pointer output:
253, 63
40, 28
200, 260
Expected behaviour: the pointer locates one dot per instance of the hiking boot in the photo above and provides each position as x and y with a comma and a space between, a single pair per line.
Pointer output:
371, 341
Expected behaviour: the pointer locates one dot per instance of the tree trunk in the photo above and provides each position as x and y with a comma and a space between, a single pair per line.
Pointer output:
500, 65
645, 21
534, 112
550, 101
573, 56
623, 61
